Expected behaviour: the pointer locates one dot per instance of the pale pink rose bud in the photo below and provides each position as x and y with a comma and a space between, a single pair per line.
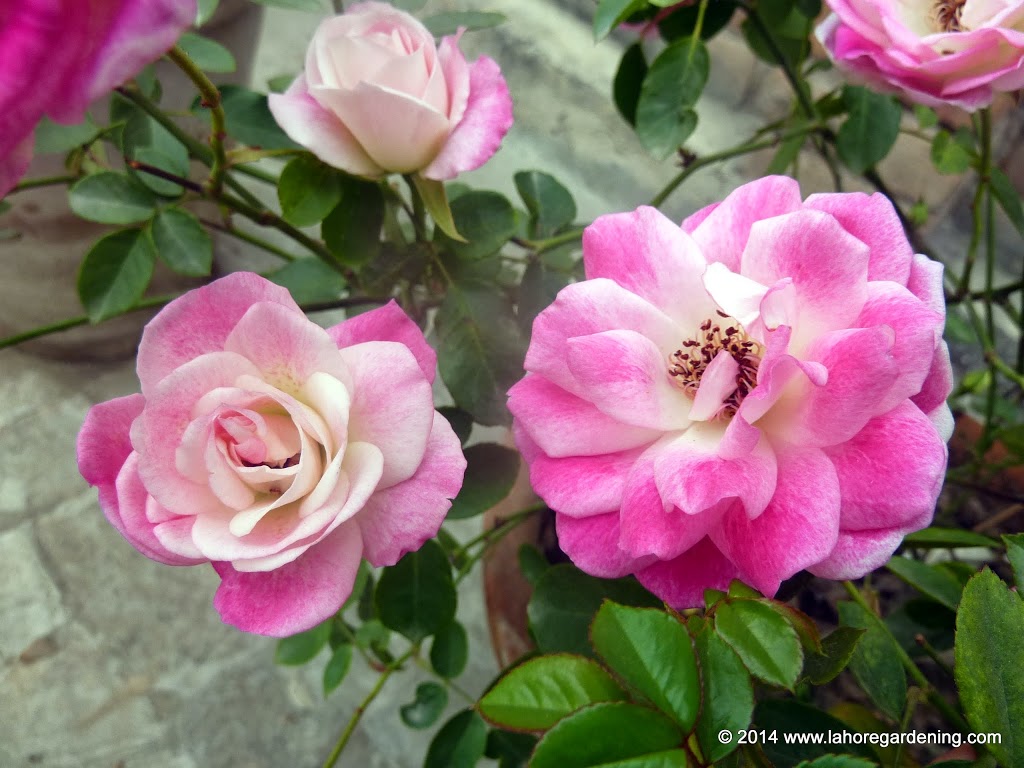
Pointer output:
56, 56
280, 452
378, 96
760, 391
935, 52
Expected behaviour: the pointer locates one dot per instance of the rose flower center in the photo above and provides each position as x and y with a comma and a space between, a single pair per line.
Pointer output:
687, 365
947, 15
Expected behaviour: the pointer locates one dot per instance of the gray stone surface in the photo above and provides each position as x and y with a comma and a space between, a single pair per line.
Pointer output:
109, 660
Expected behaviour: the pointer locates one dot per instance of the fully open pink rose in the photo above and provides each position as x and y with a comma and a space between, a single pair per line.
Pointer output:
378, 96
279, 451
758, 392
56, 56
959, 52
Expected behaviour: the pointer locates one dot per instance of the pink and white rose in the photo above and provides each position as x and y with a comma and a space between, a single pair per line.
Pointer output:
278, 451
936, 52
379, 96
57, 56
758, 392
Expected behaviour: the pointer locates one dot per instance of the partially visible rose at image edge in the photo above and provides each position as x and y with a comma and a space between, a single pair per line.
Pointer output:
378, 96
57, 57
757, 392
280, 452
935, 52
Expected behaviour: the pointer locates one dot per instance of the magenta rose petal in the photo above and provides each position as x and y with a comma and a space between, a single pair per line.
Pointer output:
294, 597
593, 544
798, 528
795, 374
200, 322
900, 486
681, 582
722, 235
479, 133
388, 534
565, 425
387, 323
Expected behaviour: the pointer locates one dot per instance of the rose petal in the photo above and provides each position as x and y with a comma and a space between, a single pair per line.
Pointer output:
592, 543
682, 582
387, 323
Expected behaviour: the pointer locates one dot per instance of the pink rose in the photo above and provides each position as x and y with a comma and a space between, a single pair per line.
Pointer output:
56, 56
278, 451
378, 97
756, 393
935, 52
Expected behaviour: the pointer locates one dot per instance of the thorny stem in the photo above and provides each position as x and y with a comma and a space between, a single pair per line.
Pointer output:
247, 237
934, 697
491, 537
210, 100
350, 727
419, 214
42, 181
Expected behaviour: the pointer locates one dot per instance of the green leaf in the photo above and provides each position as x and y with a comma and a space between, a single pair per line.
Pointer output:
837, 650
280, 83
416, 597
794, 47
611, 13
207, 54
459, 744
308, 190
550, 204
538, 289
875, 662
764, 640
629, 77
182, 243
115, 272
1015, 555
787, 716
143, 139
450, 650
111, 198
937, 584
608, 734
511, 750
248, 119
941, 538
926, 117
423, 711
52, 138
565, 601
309, 280
435, 200
312, 6
664, 118
372, 633
532, 563
490, 474
804, 625
337, 667
838, 761
989, 657
480, 351
1009, 199
352, 230
786, 155
485, 220
449, 22
950, 157
870, 131
205, 10
462, 422
727, 694
682, 22
303, 647
651, 651
540, 692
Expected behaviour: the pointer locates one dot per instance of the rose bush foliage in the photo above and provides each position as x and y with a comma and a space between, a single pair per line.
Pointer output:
281, 452
959, 52
378, 96
57, 56
760, 391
